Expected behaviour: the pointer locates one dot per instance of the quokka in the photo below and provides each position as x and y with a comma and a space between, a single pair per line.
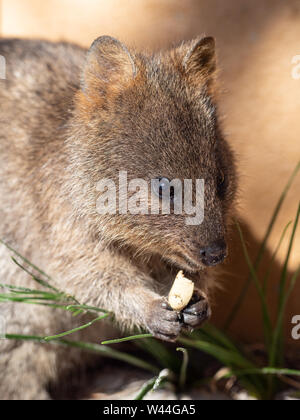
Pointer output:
69, 118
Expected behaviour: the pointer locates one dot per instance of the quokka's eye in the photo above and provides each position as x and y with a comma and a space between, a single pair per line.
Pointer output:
162, 188
221, 183
221, 178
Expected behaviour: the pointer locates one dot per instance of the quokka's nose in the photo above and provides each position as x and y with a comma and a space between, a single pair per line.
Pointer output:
214, 254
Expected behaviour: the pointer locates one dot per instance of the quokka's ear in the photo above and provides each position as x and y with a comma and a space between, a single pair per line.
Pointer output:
109, 65
199, 61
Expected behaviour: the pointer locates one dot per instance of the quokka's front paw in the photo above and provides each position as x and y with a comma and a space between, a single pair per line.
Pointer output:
162, 321
196, 312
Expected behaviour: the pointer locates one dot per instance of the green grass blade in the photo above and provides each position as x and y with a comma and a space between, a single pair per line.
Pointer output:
231, 359
51, 305
268, 273
26, 261
163, 376
42, 282
266, 317
23, 299
146, 388
153, 384
262, 371
160, 352
112, 353
86, 308
153, 347
293, 282
39, 301
131, 338
227, 357
82, 327
276, 355
104, 351
215, 335
183, 370
262, 248
25, 290
286, 262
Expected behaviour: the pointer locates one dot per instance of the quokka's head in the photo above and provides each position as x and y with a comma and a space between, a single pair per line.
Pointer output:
153, 117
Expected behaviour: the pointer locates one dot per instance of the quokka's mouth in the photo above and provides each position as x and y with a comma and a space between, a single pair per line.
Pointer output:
186, 263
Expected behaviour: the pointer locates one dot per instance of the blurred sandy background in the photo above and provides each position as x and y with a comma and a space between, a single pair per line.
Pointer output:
259, 99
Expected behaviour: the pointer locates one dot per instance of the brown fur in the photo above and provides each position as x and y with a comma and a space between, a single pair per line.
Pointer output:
67, 121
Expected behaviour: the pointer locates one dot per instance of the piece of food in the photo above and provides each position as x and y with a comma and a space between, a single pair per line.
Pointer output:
181, 292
